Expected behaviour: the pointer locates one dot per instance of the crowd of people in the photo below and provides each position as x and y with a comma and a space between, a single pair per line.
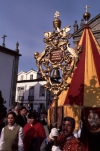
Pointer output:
23, 130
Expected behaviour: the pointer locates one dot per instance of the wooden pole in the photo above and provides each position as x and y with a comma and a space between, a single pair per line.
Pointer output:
55, 118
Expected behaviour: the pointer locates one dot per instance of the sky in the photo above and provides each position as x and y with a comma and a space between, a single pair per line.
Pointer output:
26, 21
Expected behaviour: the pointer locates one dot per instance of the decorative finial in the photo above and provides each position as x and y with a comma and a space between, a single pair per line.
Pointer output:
75, 26
57, 21
82, 22
17, 45
86, 15
57, 14
3, 44
86, 7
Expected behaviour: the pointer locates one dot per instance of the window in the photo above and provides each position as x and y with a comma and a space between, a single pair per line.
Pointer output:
31, 91
42, 91
48, 95
21, 98
31, 94
22, 77
31, 77
21, 91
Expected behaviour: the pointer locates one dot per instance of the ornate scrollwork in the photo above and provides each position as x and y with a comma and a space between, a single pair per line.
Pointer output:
57, 55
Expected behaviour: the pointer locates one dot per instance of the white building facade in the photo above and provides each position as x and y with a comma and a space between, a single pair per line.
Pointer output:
30, 89
9, 60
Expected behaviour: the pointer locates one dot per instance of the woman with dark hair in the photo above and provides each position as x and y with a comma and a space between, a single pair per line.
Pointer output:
11, 135
34, 134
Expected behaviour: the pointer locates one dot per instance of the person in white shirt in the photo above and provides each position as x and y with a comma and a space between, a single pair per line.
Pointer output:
11, 135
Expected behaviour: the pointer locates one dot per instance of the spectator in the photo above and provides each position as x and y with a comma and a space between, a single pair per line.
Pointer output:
43, 119
6, 119
39, 111
11, 135
34, 134
17, 110
21, 118
28, 107
28, 112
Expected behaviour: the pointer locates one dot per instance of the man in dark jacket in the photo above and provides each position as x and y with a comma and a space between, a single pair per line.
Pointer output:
21, 118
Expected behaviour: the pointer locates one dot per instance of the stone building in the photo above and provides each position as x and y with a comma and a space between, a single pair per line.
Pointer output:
94, 24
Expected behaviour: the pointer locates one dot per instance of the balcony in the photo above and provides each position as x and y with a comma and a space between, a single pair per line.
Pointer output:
20, 99
30, 98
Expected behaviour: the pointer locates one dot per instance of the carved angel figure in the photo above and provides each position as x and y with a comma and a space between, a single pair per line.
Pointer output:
39, 57
47, 34
71, 51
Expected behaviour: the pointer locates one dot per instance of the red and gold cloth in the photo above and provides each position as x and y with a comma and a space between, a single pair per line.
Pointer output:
84, 90
72, 144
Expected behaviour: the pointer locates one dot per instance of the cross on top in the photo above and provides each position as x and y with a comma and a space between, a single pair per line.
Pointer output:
86, 7
3, 44
57, 14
